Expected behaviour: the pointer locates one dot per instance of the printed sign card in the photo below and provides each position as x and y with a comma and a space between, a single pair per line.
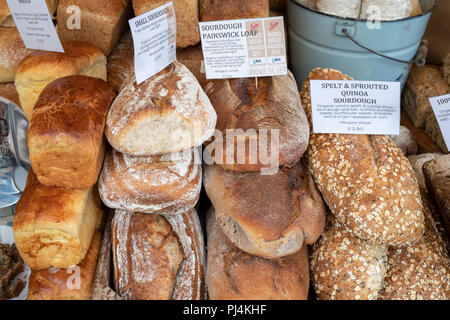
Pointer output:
441, 108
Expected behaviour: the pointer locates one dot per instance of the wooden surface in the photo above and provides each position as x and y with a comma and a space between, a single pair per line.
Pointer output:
424, 142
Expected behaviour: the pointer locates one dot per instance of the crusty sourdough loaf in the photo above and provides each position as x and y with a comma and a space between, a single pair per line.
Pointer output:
8, 91
6, 19
405, 141
344, 267
366, 180
54, 226
272, 104
74, 283
235, 275
40, 68
270, 216
212, 10
186, 13
423, 83
158, 258
102, 22
166, 184
65, 135
121, 62
12, 52
433, 130
167, 113
192, 58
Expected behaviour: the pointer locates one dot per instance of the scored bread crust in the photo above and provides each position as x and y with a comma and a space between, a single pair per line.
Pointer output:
269, 216
235, 275
212, 10
270, 104
167, 184
12, 52
366, 180
167, 113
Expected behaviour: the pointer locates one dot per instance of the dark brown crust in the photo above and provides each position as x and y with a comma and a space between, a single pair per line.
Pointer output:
121, 62
212, 10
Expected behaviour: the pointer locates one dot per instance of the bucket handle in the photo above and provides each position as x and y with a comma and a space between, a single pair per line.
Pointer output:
419, 59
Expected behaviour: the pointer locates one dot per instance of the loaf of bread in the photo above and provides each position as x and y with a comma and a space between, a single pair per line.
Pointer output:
6, 19
40, 68
74, 283
8, 91
437, 178
417, 162
235, 275
192, 58
386, 10
166, 184
102, 22
273, 105
405, 141
167, 113
158, 258
423, 83
186, 13
446, 68
65, 135
344, 267
416, 8
121, 62
212, 10
12, 52
420, 271
340, 8
366, 181
53, 227
433, 130
270, 216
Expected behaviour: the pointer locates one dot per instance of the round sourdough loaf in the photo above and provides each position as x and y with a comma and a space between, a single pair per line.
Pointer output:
269, 216
167, 113
166, 184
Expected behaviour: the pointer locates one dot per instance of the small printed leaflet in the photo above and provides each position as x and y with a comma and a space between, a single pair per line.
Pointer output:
355, 107
441, 109
35, 24
244, 48
154, 37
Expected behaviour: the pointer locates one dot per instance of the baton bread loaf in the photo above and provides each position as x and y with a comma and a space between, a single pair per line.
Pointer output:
366, 181
65, 136
12, 52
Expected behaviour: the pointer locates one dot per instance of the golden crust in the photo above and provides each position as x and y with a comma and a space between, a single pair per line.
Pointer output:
12, 52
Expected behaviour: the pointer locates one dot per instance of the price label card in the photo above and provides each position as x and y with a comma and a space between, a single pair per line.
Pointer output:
35, 24
244, 48
441, 108
154, 37
355, 107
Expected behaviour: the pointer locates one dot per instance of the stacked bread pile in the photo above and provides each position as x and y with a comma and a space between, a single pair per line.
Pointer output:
381, 241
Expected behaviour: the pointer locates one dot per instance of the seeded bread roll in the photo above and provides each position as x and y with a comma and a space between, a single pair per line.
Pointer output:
270, 216
366, 181
40, 68
266, 112
344, 267
167, 184
235, 275
186, 13
12, 52
212, 10
121, 62
6, 19
167, 113
158, 258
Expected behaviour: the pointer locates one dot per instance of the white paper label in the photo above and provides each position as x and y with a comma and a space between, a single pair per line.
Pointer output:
244, 48
355, 107
35, 24
441, 108
154, 37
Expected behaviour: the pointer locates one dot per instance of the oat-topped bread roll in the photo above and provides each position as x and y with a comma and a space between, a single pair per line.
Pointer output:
102, 22
6, 19
74, 283
344, 267
167, 113
212, 10
235, 275
420, 271
186, 13
270, 216
158, 258
166, 184
54, 226
12, 52
121, 62
366, 180
273, 105
40, 68
192, 58
65, 135
387, 9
